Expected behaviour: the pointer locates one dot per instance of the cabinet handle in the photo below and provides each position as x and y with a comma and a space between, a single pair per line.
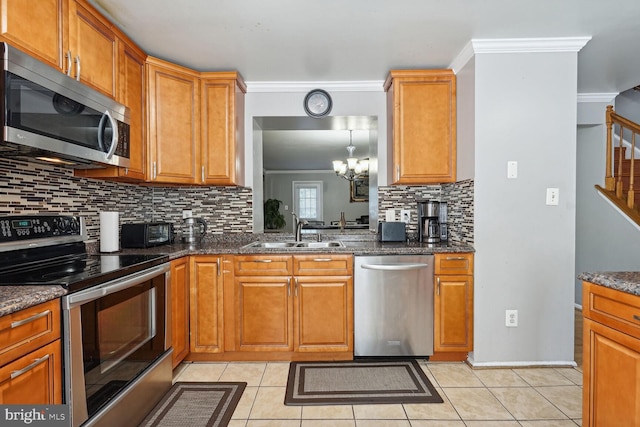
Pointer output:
636, 317
289, 287
69, 63
29, 367
218, 267
322, 259
261, 260
155, 171
295, 289
202, 173
18, 323
455, 258
78, 67
397, 172
437, 286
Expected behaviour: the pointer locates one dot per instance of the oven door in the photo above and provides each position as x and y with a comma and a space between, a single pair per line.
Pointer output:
116, 333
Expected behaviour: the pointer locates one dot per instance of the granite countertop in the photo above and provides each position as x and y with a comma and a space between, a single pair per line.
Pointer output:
625, 281
15, 298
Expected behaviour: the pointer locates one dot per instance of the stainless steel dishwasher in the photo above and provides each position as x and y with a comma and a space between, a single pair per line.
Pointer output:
393, 305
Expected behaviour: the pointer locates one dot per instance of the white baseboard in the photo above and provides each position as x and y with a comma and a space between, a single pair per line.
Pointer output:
524, 364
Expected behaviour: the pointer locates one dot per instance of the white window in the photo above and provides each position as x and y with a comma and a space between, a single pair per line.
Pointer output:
307, 199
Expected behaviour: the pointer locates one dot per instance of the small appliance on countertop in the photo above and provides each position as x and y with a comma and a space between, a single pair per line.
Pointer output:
392, 232
146, 234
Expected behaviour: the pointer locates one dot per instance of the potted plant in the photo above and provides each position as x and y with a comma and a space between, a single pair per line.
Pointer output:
273, 219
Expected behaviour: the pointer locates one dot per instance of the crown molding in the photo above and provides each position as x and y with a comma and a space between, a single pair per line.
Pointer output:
533, 45
329, 86
605, 98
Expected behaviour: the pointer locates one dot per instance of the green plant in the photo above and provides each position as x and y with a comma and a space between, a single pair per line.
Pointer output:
273, 219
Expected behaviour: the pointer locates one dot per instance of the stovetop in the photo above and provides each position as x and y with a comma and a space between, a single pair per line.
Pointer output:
45, 251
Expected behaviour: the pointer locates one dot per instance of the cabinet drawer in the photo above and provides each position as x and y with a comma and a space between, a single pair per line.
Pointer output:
262, 265
28, 329
616, 309
453, 264
322, 264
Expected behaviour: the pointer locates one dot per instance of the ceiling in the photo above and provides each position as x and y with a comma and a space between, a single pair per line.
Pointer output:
350, 40
347, 41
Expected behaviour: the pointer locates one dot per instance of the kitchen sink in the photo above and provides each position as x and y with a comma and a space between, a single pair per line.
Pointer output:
295, 245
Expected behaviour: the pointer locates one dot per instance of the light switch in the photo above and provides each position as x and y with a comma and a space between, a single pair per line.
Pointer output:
512, 169
390, 215
552, 196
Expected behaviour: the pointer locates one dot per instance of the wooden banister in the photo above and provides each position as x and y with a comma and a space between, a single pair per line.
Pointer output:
615, 176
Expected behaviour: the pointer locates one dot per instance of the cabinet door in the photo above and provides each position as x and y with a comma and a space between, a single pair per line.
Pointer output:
34, 379
130, 93
453, 314
207, 334
611, 390
222, 114
323, 313
38, 27
422, 125
173, 135
264, 310
93, 47
180, 309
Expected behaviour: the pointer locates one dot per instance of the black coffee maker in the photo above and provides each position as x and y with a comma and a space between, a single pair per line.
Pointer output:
429, 221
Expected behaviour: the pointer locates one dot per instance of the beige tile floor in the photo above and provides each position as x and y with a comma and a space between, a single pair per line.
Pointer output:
523, 397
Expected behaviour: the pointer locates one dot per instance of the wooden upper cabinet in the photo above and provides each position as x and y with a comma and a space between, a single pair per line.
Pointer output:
222, 128
421, 108
93, 47
173, 108
38, 27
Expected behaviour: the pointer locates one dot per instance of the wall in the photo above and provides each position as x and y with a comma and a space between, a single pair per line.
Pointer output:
525, 110
34, 188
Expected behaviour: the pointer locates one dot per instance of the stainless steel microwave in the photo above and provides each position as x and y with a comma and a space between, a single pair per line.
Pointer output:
50, 117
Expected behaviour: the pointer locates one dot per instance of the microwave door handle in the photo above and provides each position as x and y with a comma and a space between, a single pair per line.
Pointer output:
114, 138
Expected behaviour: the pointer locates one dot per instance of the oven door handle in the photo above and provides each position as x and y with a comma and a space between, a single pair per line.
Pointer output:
113, 286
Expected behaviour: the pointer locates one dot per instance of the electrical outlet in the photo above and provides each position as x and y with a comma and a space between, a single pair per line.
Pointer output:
405, 216
512, 169
511, 318
187, 214
390, 215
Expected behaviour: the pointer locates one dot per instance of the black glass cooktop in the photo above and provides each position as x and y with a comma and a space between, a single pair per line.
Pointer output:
72, 268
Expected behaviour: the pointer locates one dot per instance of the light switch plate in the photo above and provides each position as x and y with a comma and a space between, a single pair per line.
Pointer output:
390, 215
512, 169
553, 195
187, 214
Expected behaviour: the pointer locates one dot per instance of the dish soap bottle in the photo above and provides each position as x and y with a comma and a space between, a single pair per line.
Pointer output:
343, 221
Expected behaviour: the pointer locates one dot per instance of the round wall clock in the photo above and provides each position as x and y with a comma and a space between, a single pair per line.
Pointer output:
317, 103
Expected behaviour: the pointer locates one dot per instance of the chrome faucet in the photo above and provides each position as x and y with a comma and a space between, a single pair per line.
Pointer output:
299, 224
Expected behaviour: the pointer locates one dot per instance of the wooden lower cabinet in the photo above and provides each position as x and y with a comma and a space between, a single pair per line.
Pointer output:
30, 356
35, 378
307, 313
206, 304
180, 309
323, 308
265, 315
453, 307
611, 359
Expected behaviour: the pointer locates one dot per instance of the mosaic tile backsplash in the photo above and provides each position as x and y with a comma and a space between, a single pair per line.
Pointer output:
27, 187
459, 198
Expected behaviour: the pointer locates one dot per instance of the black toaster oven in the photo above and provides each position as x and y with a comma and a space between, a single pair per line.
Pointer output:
146, 234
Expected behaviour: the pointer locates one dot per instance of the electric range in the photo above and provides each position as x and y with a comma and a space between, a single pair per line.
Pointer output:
50, 250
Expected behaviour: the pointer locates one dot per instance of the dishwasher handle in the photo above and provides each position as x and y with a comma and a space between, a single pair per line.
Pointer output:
395, 267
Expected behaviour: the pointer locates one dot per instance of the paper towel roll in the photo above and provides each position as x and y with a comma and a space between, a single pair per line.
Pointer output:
109, 232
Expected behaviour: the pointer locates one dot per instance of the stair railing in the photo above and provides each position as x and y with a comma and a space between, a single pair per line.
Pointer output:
613, 182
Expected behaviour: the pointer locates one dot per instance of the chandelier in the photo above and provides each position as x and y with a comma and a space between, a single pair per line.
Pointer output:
354, 169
